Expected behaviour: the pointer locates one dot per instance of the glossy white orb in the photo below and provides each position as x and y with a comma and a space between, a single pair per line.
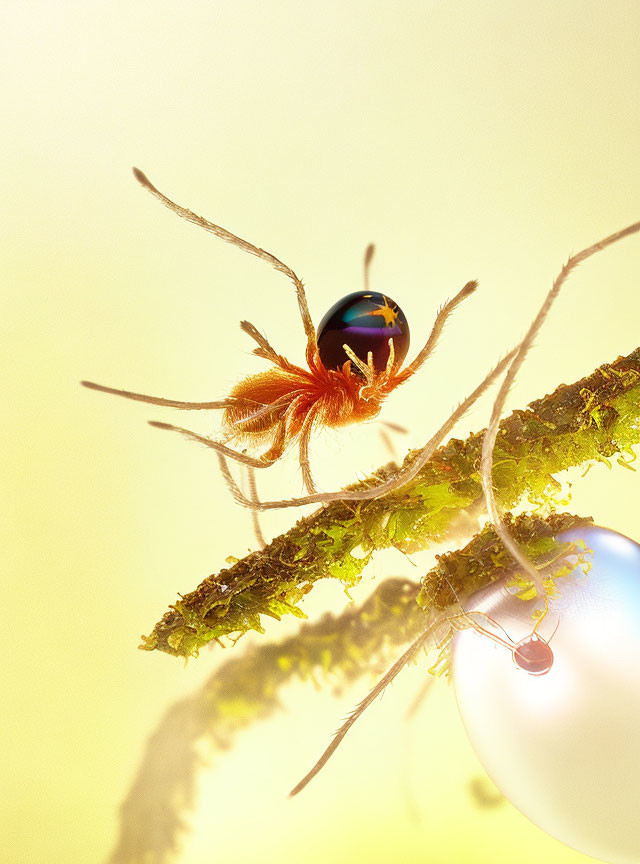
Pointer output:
564, 747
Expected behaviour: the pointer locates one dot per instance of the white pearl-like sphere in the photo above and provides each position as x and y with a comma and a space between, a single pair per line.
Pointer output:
564, 747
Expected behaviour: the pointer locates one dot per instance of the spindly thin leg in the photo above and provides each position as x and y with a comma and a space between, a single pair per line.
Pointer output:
263, 461
233, 487
490, 435
305, 465
265, 350
169, 403
255, 518
384, 682
223, 234
262, 412
436, 330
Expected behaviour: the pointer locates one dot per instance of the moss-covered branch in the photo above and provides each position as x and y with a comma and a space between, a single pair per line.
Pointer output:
338, 649
592, 419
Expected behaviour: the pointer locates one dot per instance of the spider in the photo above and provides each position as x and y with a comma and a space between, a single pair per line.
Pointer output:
354, 362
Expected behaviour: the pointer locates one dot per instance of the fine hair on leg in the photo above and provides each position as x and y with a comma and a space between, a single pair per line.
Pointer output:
223, 234
492, 430
264, 350
305, 437
382, 684
264, 461
255, 516
438, 326
170, 403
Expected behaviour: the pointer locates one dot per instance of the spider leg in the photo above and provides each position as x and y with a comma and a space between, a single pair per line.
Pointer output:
255, 518
436, 330
223, 234
406, 473
305, 437
265, 350
384, 682
489, 440
266, 409
264, 461
232, 486
169, 403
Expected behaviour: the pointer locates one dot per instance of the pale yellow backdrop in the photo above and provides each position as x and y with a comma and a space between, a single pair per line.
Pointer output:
468, 139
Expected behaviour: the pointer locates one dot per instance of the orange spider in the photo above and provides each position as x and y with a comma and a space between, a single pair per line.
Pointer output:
354, 362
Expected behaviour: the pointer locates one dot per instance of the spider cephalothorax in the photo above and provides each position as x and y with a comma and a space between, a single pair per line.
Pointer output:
353, 363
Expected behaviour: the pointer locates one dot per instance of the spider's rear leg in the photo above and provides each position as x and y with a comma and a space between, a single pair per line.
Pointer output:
305, 437
167, 403
255, 516
265, 460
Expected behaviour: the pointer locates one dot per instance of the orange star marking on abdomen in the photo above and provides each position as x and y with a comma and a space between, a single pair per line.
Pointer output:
390, 315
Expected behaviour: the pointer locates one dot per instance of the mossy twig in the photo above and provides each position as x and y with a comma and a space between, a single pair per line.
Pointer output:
337, 649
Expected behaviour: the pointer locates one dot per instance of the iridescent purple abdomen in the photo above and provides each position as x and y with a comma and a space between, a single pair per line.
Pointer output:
365, 321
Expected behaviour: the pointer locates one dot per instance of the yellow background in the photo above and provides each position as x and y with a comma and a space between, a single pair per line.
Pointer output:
466, 139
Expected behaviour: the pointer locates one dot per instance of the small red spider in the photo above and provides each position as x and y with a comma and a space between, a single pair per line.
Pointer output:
354, 363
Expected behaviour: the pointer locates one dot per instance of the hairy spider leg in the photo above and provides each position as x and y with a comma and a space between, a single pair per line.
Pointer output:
305, 437
489, 440
438, 326
223, 234
265, 460
533, 654
170, 403
265, 350
384, 682
255, 516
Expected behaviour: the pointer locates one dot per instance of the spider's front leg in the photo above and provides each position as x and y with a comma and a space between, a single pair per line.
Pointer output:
228, 237
436, 330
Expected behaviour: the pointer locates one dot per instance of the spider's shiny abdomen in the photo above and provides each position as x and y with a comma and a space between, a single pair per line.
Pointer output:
365, 321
